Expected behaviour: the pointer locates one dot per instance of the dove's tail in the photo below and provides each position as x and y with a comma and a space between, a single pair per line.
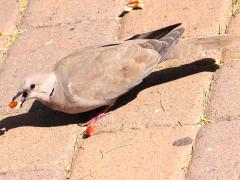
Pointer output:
198, 47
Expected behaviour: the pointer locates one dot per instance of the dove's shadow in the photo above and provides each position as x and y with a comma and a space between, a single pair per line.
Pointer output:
40, 116
166, 75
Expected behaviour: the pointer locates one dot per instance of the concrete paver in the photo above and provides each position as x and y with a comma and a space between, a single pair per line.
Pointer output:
224, 100
158, 14
3, 41
216, 155
217, 148
56, 12
233, 53
38, 175
8, 15
28, 148
134, 154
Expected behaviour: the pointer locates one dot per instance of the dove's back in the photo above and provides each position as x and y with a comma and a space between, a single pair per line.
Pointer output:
96, 76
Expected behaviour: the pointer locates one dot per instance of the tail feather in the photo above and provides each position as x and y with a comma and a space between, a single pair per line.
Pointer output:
196, 47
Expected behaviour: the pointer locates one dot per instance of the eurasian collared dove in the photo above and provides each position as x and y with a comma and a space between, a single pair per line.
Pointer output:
96, 76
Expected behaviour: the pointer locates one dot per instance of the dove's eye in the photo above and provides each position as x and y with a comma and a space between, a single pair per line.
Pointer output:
32, 86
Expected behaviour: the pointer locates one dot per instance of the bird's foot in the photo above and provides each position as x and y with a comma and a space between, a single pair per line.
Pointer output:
96, 118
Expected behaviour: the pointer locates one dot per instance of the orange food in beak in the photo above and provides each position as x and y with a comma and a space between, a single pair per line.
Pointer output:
13, 104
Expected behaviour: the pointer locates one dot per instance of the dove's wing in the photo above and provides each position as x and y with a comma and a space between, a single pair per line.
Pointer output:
99, 75
157, 34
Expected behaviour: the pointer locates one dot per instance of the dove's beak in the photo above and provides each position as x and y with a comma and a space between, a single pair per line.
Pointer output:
24, 96
19, 93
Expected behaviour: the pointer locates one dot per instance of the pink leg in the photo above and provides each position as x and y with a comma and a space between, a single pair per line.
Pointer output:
98, 117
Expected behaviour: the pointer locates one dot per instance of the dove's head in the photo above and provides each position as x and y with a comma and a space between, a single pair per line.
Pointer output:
37, 86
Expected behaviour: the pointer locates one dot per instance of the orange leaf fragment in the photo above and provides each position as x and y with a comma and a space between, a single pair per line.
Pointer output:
14, 104
90, 130
135, 4
132, 2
